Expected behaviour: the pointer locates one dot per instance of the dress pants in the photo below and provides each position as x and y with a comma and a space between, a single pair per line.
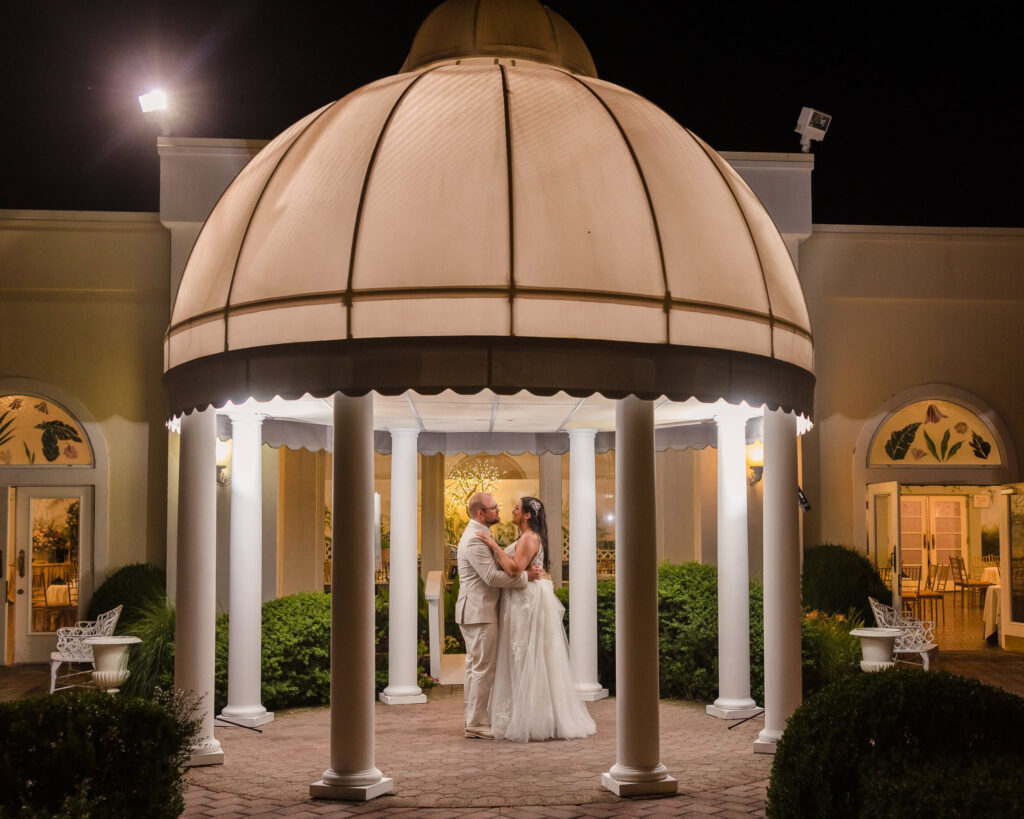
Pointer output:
481, 660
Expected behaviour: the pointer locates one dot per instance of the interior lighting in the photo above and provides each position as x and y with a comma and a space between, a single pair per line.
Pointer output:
155, 100
755, 462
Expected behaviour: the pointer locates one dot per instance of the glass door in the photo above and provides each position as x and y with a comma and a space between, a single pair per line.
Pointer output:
948, 522
1011, 563
53, 560
883, 511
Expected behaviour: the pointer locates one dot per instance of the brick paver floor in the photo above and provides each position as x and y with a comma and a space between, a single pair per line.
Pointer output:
438, 773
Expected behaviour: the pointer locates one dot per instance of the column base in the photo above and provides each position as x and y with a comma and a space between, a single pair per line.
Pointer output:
401, 699
352, 793
766, 741
591, 692
208, 752
226, 719
665, 785
733, 709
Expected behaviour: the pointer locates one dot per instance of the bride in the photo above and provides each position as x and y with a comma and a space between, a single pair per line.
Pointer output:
533, 696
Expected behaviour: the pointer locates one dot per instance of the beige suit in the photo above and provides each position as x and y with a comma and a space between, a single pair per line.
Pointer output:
481, 580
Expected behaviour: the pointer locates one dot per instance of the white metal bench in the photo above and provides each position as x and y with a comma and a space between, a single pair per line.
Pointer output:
71, 647
916, 636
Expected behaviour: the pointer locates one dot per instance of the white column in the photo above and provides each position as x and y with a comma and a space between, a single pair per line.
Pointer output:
734, 700
196, 589
782, 672
403, 607
583, 564
353, 775
549, 467
637, 769
245, 569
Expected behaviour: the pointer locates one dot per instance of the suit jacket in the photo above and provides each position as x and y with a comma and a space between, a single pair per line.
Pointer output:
481, 579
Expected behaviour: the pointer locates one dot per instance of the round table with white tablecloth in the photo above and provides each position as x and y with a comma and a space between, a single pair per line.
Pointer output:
990, 574
991, 614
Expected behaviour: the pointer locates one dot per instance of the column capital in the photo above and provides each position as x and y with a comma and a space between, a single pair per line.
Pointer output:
244, 414
581, 433
404, 432
726, 414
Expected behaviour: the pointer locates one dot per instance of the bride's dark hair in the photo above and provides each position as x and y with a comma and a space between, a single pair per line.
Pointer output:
538, 522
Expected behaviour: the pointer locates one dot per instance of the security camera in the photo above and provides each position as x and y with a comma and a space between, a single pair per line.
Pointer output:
810, 125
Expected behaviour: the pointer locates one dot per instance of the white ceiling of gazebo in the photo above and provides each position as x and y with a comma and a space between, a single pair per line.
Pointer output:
484, 412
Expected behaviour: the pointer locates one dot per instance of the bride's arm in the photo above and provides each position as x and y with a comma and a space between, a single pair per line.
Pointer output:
526, 550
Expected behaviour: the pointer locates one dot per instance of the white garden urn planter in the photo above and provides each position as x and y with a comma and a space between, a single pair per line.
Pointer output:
110, 656
876, 646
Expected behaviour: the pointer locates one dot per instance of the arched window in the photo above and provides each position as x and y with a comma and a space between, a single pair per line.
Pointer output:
935, 432
35, 431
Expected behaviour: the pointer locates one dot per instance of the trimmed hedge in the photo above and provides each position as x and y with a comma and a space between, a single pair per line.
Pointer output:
86, 753
296, 650
135, 586
837, 579
904, 743
687, 632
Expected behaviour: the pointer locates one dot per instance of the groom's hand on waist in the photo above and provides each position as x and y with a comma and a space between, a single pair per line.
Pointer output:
535, 572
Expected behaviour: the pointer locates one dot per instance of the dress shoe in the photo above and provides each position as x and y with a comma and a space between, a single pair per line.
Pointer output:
479, 732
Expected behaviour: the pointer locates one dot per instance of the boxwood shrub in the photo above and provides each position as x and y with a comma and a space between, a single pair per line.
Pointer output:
135, 586
837, 579
687, 632
688, 636
905, 743
87, 753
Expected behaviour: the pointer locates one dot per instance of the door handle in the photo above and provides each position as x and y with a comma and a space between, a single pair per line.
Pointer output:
21, 563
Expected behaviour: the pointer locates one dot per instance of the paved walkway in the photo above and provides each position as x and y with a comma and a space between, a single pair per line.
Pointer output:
438, 772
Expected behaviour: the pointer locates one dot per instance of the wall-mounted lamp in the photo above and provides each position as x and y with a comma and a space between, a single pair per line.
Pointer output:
223, 462
755, 462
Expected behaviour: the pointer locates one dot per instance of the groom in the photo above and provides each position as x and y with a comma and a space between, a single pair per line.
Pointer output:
476, 611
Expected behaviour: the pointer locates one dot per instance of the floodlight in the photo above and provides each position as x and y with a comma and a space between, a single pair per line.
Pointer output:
155, 100
810, 125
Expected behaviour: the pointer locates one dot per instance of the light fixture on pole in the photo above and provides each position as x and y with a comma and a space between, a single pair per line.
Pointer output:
811, 125
154, 106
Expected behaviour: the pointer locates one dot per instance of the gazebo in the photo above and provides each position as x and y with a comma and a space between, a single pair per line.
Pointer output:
497, 224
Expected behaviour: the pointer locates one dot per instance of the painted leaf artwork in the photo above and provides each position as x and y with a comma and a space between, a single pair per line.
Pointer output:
34, 431
931, 433
979, 446
53, 432
900, 441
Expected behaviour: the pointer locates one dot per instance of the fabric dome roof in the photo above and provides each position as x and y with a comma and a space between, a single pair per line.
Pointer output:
499, 28
488, 203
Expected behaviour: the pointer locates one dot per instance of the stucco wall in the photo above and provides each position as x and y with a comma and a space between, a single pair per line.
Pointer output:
83, 307
893, 308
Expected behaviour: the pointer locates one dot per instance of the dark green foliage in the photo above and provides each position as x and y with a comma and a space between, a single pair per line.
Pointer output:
151, 662
902, 743
687, 632
688, 636
828, 651
451, 628
837, 579
135, 586
296, 650
87, 753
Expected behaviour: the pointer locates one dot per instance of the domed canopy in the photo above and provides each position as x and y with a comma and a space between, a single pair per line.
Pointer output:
489, 223
499, 28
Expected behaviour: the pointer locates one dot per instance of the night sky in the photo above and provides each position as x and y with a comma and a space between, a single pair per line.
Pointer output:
926, 108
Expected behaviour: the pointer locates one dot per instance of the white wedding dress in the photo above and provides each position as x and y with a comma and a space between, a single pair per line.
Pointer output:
533, 696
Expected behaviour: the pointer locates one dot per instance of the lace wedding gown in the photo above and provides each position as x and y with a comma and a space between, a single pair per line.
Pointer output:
533, 696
